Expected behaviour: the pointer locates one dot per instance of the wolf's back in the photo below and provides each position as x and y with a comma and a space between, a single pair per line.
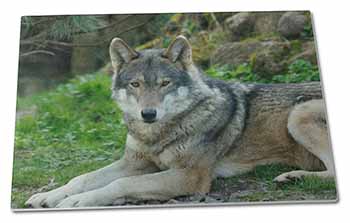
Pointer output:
271, 97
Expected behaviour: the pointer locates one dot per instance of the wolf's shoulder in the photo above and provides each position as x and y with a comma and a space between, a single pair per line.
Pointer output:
235, 88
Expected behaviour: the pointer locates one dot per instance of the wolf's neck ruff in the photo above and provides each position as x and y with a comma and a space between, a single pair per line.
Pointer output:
199, 126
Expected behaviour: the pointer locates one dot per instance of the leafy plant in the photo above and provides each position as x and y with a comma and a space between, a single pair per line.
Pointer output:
307, 32
298, 71
241, 73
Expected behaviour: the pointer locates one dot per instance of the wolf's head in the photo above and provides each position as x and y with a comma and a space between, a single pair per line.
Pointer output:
156, 84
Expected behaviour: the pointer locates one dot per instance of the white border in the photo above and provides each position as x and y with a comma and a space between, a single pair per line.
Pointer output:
331, 22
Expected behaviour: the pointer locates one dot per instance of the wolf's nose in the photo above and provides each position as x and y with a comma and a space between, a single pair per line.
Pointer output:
149, 114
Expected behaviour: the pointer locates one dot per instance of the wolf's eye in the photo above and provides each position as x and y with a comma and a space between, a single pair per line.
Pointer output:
135, 84
165, 83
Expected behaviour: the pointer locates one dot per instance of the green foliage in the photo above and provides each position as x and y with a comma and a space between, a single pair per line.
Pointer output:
60, 27
166, 41
241, 73
307, 32
189, 26
80, 113
75, 129
154, 27
296, 46
299, 71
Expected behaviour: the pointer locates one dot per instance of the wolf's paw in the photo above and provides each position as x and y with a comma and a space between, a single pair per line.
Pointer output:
289, 176
87, 199
47, 199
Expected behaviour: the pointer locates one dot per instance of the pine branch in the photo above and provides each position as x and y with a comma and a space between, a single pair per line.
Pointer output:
32, 41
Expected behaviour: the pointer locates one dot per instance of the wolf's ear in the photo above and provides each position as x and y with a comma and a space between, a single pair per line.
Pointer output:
120, 53
179, 50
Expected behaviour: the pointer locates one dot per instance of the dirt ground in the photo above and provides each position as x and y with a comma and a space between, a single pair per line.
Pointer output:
254, 187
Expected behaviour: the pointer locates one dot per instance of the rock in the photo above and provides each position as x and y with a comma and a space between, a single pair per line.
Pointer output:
222, 16
265, 56
271, 60
209, 199
197, 198
120, 201
291, 24
234, 53
173, 201
308, 53
240, 25
243, 24
266, 66
266, 22
153, 202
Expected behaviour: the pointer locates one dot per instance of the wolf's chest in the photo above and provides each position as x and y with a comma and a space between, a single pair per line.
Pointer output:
169, 158
161, 162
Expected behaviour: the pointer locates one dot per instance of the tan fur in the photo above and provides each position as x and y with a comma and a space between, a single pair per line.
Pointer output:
307, 125
297, 138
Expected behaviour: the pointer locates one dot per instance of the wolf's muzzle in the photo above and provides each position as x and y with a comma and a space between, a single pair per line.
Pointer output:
149, 115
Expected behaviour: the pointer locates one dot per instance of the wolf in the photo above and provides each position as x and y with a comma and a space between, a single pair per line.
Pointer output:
186, 129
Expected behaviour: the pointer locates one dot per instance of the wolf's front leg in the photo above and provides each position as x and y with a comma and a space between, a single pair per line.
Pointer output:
91, 181
160, 186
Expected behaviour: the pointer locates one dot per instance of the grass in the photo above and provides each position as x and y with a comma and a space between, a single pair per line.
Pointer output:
297, 72
258, 185
77, 128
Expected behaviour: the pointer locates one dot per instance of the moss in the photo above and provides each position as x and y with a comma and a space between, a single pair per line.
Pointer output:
296, 47
204, 44
261, 37
177, 17
252, 59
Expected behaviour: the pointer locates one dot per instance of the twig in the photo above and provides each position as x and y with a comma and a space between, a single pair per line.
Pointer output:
37, 52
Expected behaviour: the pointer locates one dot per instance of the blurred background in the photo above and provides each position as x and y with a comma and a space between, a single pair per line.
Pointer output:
56, 48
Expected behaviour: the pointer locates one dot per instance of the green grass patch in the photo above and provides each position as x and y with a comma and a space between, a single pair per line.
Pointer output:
299, 71
75, 129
